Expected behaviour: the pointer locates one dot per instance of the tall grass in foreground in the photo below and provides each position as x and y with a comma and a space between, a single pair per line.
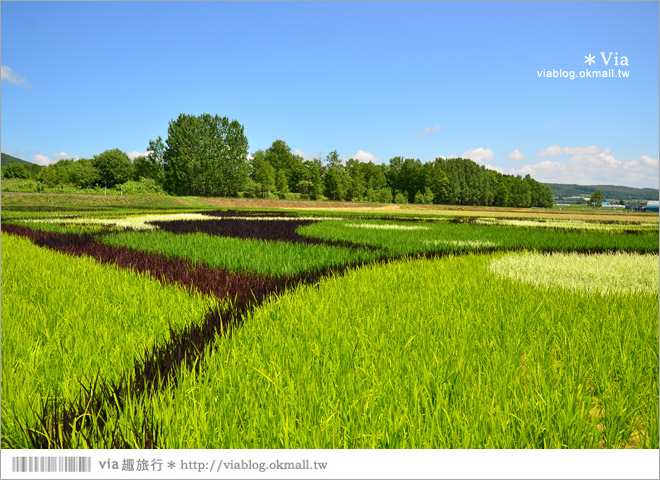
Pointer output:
424, 354
406, 238
275, 258
66, 320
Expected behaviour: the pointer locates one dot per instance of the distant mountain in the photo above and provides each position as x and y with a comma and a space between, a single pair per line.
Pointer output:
613, 192
8, 159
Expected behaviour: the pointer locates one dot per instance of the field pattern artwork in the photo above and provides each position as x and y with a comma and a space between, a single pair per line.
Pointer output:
206, 328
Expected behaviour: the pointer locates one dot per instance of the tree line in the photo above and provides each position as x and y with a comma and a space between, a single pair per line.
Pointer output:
207, 155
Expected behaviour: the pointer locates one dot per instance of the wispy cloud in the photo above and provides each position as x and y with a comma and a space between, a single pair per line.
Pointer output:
429, 131
517, 156
14, 78
479, 155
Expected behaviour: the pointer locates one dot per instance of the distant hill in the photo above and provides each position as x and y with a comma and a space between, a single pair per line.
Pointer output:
8, 160
609, 191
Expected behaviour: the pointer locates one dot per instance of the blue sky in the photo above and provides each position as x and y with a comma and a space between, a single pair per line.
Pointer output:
371, 80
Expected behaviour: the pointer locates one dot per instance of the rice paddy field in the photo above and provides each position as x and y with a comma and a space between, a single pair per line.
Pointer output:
188, 324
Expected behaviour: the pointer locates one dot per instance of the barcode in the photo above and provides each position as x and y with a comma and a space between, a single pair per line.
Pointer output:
51, 464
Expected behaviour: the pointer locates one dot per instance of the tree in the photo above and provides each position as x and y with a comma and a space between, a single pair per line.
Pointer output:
205, 155
411, 178
384, 195
438, 182
596, 199
279, 155
357, 186
281, 182
502, 194
332, 159
48, 176
83, 173
265, 177
151, 165
114, 167
336, 183
305, 187
428, 196
313, 175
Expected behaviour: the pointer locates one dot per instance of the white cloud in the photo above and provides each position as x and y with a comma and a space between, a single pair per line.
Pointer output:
363, 156
551, 151
56, 157
517, 156
307, 156
592, 166
479, 155
429, 130
649, 161
12, 77
42, 159
496, 168
134, 154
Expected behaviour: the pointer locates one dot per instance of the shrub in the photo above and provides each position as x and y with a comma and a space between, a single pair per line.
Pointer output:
15, 170
143, 187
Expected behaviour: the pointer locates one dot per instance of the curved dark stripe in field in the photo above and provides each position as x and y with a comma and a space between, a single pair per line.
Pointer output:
157, 367
221, 283
267, 230
273, 230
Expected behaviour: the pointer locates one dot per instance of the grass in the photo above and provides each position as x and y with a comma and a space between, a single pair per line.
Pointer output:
399, 238
518, 350
274, 258
66, 320
424, 354
40, 205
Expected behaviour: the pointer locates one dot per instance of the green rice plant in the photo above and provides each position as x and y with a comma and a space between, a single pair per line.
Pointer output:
67, 321
64, 227
405, 238
275, 258
603, 273
424, 354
